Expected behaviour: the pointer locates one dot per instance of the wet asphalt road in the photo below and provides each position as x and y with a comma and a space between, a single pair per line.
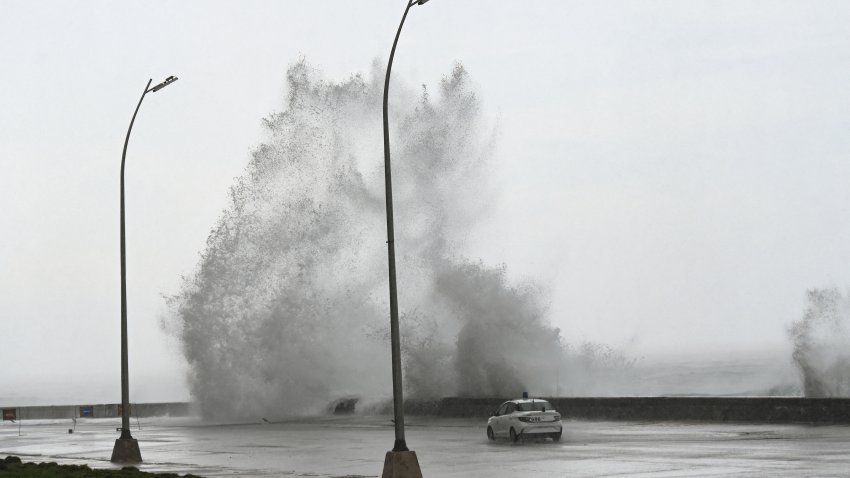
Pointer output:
355, 446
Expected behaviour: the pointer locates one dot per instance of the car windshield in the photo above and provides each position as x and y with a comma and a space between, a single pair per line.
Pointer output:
535, 406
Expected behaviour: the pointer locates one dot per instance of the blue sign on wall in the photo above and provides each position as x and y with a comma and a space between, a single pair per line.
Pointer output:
87, 411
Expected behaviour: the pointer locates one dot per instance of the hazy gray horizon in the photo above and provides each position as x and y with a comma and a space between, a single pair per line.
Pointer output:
673, 175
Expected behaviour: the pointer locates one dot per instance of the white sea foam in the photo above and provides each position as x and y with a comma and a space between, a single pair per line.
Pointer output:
287, 309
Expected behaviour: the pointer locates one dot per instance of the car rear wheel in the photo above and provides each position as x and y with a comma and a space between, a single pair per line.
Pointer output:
556, 437
490, 435
514, 436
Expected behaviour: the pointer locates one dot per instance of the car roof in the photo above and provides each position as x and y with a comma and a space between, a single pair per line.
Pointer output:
528, 400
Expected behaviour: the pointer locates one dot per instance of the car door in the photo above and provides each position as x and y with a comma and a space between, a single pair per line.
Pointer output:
500, 428
507, 418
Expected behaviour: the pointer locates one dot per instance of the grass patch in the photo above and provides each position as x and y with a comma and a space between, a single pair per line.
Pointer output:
12, 466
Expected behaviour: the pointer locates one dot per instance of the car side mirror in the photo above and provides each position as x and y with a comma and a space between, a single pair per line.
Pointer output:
495, 413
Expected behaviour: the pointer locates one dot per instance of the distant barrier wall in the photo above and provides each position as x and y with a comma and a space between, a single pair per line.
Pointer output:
715, 409
141, 410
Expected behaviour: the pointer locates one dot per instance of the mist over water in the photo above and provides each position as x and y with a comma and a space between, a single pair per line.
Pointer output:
822, 344
288, 307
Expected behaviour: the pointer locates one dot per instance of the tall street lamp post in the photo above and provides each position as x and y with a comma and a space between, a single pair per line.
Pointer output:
126, 448
400, 462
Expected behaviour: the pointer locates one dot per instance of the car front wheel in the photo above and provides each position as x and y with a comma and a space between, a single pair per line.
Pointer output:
514, 436
556, 437
490, 435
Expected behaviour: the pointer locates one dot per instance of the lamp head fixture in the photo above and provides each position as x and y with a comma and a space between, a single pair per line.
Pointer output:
168, 81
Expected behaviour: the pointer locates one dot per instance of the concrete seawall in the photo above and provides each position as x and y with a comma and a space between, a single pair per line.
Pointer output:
141, 410
708, 409
713, 409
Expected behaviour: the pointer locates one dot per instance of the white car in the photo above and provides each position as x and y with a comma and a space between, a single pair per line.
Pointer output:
525, 417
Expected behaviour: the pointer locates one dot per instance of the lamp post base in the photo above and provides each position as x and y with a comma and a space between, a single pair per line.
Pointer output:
126, 451
401, 464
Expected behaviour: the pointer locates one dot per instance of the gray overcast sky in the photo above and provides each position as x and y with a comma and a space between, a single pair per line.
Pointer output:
674, 173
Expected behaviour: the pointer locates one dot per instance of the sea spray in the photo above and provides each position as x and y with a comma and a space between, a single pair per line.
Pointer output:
287, 309
822, 344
